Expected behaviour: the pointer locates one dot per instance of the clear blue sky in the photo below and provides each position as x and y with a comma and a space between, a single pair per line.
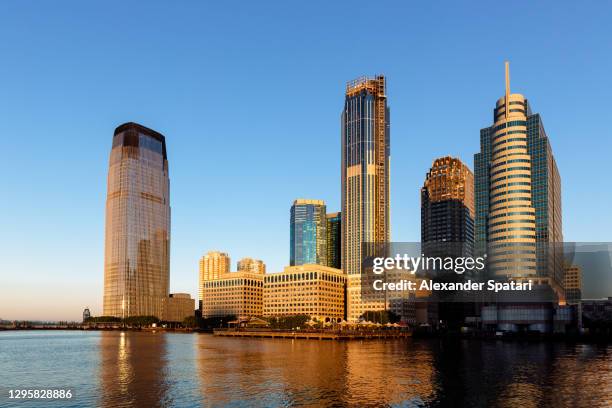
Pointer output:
249, 96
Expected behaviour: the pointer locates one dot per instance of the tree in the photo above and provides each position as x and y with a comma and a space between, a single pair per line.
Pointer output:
190, 322
215, 322
103, 319
288, 322
380, 316
140, 321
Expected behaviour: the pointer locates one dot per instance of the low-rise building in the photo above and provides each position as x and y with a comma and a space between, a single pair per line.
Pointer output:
180, 306
314, 290
573, 284
235, 293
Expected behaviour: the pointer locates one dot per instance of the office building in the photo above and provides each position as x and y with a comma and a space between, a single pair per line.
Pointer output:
212, 266
251, 265
364, 185
573, 284
518, 195
518, 215
447, 205
447, 230
180, 306
308, 237
137, 233
238, 294
334, 240
312, 290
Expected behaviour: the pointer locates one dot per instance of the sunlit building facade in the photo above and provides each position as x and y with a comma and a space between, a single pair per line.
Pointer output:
308, 237
365, 183
573, 284
137, 232
238, 294
251, 265
334, 240
312, 290
447, 204
212, 266
518, 215
180, 306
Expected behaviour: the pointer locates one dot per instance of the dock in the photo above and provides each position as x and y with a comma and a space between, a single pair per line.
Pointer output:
314, 335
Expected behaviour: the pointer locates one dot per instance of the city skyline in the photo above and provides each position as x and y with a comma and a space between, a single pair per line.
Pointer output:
40, 263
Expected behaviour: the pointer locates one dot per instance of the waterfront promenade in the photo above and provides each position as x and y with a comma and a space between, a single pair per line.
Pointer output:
315, 334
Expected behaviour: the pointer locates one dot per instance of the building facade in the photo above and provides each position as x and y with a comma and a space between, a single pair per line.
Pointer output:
447, 204
518, 214
573, 284
180, 306
238, 294
308, 236
137, 233
334, 240
212, 266
312, 290
518, 194
365, 183
251, 265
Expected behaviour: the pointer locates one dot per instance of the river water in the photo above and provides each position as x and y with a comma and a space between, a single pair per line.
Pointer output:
134, 369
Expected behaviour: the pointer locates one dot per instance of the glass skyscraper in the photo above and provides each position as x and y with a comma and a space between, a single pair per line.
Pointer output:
365, 182
447, 230
137, 236
334, 239
308, 233
447, 205
518, 194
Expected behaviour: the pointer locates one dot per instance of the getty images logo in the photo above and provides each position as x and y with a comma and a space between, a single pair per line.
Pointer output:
416, 264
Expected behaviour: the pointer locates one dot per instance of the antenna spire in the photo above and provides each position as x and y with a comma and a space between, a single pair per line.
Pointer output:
507, 101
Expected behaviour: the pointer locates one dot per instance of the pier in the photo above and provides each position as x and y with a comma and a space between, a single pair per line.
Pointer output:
315, 335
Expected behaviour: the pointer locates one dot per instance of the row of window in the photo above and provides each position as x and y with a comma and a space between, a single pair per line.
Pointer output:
511, 192
511, 213
511, 169
510, 161
495, 224
509, 176
510, 124
507, 237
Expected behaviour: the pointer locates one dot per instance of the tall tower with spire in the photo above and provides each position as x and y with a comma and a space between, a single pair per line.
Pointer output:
518, 193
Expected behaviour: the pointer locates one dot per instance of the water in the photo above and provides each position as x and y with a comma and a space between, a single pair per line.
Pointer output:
113, 369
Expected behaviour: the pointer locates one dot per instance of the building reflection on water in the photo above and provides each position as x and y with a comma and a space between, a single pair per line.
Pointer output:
133, 369
525, 374
313, 373
155, 369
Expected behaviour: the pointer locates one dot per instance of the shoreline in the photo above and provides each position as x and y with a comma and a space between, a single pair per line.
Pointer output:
314, 334
339, 335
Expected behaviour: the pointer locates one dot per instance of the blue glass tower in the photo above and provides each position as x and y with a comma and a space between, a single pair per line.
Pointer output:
308, 236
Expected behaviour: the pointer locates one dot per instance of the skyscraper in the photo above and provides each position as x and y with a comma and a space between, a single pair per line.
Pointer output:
251, 265
447, 230
334, 239
137, 236
308, 236
518, 194
447, 204
365, 182
212, 266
